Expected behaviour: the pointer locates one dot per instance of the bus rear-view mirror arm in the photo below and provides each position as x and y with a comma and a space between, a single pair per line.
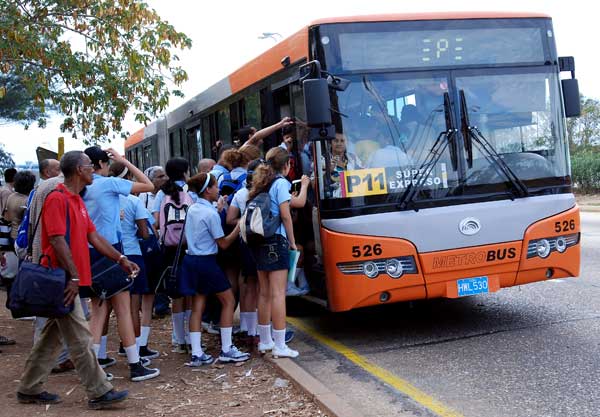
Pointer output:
570, 87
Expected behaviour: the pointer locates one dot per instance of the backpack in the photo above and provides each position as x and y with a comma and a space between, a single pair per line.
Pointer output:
172, 218
22, 240
258, 223
229, 186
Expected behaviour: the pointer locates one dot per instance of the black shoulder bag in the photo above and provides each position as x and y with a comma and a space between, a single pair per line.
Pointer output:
39, 290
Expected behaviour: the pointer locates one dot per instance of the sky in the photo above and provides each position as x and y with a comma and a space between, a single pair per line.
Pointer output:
225, 36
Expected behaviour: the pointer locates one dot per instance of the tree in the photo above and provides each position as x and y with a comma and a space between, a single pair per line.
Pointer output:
17, 104
6, 160
92, 59
584, 131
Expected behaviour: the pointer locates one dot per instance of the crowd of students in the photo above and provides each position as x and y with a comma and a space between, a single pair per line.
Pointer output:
176, 236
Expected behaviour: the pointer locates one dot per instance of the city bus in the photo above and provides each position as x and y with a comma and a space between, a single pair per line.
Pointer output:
455, 125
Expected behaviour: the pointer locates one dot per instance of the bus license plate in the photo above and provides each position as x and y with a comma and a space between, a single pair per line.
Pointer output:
472, 286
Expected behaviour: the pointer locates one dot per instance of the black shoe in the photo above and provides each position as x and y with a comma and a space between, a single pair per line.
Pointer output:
122, 350
41, 398
111, 397
146, 352
139, 372
106, 362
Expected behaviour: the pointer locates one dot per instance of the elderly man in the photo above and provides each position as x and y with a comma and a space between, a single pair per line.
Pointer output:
49, 168
74, 258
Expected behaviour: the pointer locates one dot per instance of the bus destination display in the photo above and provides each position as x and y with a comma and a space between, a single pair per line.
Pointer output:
407, 49
374, 181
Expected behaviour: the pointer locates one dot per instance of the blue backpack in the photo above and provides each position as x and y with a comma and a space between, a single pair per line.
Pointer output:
22, 240
229, 186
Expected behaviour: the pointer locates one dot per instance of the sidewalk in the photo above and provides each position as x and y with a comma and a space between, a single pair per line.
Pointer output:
255, 388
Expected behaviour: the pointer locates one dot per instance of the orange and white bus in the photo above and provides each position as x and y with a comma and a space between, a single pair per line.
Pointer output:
438, 150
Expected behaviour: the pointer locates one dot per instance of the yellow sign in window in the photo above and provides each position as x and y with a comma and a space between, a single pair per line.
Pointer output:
363, 182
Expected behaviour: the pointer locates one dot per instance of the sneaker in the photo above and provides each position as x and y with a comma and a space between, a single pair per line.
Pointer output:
181, 348
106, 362
41, 398
293, 291
146, 352
233, 355
138, 372
289, 335
111, 397
264, 347
145, 361
235, 330
109, 376
122, 350
198, 361
286, 352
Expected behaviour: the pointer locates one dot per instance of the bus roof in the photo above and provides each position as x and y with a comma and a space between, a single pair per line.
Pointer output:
296, 47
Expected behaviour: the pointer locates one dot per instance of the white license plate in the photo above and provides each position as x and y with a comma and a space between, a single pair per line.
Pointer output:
472, 286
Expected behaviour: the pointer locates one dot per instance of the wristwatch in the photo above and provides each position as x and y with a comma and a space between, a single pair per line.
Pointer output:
121, 258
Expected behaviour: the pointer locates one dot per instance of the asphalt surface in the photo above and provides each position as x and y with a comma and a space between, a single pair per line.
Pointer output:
524, 351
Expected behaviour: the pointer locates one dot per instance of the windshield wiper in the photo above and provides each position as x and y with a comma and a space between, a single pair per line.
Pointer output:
434, 155
472, 133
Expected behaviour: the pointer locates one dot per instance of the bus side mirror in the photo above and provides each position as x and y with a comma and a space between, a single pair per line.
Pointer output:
570, 87
571, 97
317, 102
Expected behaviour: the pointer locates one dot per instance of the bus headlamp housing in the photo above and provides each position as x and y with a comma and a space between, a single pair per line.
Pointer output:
393, 267
545, 246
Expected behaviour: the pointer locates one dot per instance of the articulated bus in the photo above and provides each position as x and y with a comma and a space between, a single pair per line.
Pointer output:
455, 124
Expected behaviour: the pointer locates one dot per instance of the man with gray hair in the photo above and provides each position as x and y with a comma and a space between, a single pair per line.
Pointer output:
206, 165
49, 168
157, 175
64, 212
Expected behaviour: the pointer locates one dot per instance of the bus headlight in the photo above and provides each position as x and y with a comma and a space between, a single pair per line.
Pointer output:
393, 267
370, 269
561, 244
543, 248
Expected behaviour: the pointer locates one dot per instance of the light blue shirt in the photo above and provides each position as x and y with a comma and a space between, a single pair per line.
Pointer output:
203, 228
217, 172
279, 193
132, 209
102, 202
160, 196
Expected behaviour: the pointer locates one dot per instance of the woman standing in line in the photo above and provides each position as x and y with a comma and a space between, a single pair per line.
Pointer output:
272, 256
200, 274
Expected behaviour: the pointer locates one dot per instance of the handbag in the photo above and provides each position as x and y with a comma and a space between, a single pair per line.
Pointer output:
108, 279
39, 290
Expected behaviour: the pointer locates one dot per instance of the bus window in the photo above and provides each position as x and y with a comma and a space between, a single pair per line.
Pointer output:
224, 125
378, 153
252, 110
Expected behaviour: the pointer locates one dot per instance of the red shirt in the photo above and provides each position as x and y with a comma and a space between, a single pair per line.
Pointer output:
54, 223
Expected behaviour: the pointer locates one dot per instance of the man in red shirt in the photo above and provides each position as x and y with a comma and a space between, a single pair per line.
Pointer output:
73, 257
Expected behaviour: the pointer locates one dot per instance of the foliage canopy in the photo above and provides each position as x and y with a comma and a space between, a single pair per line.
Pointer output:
92, 60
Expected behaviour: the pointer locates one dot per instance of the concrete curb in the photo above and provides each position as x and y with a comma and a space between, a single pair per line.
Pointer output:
334, 405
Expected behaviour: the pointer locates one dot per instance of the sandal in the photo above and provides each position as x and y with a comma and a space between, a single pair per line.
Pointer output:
6, 341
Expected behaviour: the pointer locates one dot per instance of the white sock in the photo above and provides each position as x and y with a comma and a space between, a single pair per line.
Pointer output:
133, 354
279, 336
102, 352
226, 339
96, 348
137, 342
196, 339
179, 327
188, 314
144, 335
243, 321
252, 319
264, 331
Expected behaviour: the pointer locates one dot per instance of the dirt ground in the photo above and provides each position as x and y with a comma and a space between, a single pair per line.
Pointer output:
254, 388
588, 199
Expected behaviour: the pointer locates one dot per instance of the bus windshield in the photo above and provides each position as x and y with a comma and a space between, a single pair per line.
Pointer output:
388, 119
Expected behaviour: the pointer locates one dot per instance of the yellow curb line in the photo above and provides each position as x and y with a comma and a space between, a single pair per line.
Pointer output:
398, 383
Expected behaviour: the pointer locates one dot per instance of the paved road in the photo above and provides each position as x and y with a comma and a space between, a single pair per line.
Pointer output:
524, 351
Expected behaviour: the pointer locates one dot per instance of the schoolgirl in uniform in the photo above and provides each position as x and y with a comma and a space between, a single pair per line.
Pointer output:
200, 274
272, 256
